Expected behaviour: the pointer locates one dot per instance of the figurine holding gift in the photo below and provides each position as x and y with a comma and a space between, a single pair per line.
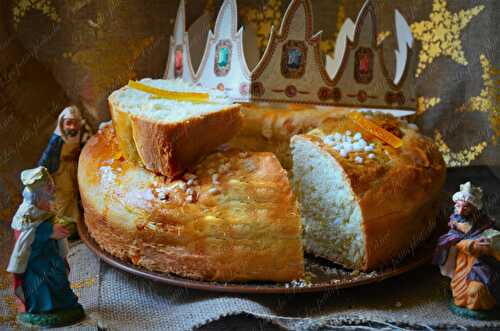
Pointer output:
61, 160
469, 255
38, 258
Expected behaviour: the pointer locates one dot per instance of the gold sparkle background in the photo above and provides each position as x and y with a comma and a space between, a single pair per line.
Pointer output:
59, 51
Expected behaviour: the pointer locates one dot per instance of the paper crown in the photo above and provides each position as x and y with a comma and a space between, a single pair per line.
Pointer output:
292, 68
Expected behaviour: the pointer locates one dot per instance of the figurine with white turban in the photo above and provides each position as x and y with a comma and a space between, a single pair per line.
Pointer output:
38, 260
469, 254
61, 160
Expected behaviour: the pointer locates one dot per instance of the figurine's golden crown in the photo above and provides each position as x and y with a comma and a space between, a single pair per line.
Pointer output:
293, 69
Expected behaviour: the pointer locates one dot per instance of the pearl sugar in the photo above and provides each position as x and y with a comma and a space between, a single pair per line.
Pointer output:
350, 143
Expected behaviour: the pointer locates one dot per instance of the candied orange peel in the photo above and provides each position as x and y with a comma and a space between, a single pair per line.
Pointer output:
376, 130
173, 95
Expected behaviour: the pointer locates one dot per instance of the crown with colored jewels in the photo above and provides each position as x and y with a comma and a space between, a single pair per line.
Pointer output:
293, 68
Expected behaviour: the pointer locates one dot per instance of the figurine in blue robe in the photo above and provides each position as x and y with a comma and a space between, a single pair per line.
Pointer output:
38, 258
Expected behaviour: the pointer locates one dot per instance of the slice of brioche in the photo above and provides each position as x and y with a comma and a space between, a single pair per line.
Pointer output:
167, 136
234, 218
371, 206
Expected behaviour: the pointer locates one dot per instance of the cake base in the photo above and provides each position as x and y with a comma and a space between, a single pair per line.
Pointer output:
323, 275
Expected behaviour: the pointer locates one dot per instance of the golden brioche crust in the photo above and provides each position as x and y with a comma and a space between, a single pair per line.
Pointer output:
170, 148
398, 190
233, 218
270, 129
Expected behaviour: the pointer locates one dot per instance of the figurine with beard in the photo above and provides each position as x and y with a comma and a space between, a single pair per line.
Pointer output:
470, 256
61, 160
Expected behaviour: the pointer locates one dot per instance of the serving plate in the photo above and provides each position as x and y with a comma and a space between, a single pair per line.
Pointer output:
321, 275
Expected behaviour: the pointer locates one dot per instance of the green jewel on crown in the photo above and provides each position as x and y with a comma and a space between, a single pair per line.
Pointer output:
223, 59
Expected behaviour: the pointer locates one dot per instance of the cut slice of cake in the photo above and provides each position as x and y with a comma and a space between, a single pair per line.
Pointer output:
169, 134
364, 203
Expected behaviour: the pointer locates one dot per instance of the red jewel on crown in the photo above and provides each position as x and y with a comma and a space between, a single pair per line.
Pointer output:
364, 65
290, 91
178, 63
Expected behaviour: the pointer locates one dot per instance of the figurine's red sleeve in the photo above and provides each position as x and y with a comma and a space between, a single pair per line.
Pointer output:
18, 280
18, 283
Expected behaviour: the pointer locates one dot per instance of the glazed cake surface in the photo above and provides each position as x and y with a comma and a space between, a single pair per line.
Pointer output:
269, 128
232, 217
365, 204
